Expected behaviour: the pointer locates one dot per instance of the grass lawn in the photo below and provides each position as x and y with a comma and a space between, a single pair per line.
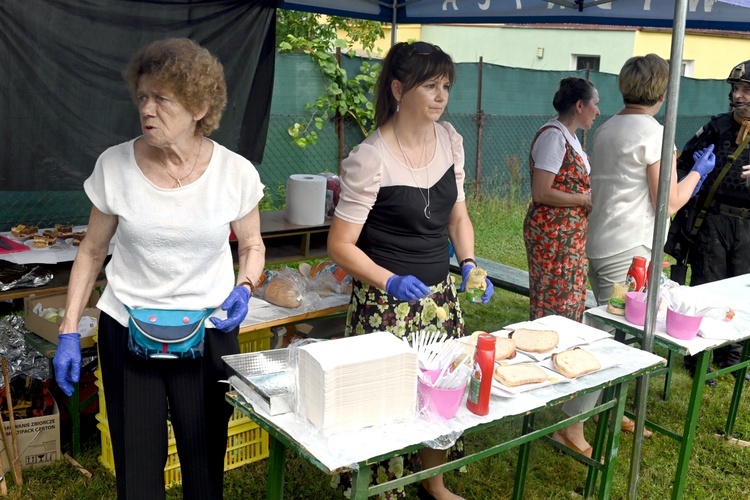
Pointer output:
717, 470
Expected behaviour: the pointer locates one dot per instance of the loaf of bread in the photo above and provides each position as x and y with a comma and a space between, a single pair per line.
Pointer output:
535, 340
283, 292
520, 374
505, 348
575, 362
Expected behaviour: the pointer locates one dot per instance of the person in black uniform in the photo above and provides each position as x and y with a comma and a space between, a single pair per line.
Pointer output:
723, 241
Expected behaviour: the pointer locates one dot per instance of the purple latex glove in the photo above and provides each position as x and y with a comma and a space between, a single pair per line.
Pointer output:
407, 288
488, 292
67, 361
236, 306
705, 161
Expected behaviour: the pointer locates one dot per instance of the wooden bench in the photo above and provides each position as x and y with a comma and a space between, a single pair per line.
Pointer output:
510, 278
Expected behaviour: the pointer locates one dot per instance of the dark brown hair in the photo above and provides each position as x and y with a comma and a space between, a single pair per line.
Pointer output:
572, 89
410, 64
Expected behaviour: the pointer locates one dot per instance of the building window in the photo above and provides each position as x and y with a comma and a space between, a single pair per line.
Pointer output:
583, 62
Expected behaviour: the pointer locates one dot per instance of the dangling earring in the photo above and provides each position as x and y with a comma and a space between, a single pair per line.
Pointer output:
398, 106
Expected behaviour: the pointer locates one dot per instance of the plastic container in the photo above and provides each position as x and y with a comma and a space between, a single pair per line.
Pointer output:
682, 326
480, 382
635, 307
443, 402
636, 277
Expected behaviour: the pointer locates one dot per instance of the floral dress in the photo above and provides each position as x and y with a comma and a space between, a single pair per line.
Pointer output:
555, 239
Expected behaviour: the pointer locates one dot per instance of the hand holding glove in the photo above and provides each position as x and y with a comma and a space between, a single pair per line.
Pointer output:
407, 288
488, 292
67, 361
236, 307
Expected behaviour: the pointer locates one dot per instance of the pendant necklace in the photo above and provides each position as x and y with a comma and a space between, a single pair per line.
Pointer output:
178, 181
411, 170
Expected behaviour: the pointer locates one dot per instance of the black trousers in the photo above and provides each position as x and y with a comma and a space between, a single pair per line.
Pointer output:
723, 252
141, 394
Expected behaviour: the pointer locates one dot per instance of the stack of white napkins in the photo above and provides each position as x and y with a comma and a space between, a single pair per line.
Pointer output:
357, 382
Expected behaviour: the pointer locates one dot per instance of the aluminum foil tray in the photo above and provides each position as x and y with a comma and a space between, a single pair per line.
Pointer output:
265, 378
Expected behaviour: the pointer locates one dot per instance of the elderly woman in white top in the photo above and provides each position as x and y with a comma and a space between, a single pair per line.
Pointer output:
171, 197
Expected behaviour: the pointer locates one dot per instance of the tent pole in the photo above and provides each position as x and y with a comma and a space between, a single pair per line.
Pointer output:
394, 23
660, 229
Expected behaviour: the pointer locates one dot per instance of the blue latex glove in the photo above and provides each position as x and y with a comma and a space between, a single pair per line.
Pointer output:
67, 361
488, 292
705, 161
236, 306
407, 288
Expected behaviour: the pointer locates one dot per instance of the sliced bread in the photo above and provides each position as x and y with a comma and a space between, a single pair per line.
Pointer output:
535, 340
504, 349
520, 374
575, 362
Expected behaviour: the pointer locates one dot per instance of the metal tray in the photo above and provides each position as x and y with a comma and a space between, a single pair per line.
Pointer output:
264, 378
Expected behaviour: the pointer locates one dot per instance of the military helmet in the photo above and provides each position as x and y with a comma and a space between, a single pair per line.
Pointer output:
740, 73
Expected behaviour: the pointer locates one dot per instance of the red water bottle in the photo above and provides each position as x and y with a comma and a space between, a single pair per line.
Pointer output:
480, 383
636, 278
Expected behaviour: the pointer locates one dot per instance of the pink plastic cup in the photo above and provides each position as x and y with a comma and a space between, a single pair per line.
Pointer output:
443, 402
682, 326
635, 307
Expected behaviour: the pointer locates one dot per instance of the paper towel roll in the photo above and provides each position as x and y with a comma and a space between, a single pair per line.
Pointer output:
305, 199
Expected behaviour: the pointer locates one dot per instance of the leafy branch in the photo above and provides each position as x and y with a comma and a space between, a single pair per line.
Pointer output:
345, 97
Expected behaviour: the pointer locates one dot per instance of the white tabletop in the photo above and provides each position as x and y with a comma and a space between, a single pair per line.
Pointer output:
61, 251
731, 292
344, 449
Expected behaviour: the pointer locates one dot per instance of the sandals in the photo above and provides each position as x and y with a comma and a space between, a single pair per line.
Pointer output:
562, 439
629, 427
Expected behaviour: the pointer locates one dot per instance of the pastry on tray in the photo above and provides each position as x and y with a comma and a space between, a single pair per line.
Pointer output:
23, 231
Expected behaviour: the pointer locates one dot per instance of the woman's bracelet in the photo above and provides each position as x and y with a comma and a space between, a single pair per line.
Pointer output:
249, 283
467, 261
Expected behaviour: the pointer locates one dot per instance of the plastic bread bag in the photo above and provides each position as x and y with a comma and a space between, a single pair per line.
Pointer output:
326, 277
282, 287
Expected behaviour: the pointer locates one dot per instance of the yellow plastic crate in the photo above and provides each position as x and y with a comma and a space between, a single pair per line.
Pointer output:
246, 442
259, 340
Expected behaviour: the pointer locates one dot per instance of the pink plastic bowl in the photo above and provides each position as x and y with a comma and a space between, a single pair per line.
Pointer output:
635, 307
444, 402
682, 326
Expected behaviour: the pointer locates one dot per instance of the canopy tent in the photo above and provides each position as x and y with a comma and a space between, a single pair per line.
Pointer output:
730, 15
701, 14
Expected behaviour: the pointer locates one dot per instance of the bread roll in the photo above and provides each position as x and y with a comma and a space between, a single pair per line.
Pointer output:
476, 279
283, 292
575, 362
535, 340
520, 374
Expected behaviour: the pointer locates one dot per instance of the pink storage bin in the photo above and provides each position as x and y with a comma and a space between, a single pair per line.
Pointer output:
443, 402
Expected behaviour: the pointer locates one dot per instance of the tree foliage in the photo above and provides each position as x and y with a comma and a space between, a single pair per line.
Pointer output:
348, 98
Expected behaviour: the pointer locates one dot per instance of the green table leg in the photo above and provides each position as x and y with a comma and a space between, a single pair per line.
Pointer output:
686, 442
276, 462
361, 482
613, 440
739, 382
522, 467
668, 376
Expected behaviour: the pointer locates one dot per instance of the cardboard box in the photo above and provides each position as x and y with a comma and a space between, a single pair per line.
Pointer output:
38, 439
47, 329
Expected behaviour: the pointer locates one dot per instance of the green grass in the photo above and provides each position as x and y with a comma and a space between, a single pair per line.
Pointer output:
717, 470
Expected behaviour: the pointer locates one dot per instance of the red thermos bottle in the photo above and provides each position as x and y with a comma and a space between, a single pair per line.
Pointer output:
636, 278
480, 382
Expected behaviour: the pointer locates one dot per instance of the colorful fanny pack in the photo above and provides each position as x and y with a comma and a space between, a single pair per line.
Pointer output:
166, 334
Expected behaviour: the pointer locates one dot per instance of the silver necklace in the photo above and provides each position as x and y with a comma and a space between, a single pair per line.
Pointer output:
411, 171
178, 181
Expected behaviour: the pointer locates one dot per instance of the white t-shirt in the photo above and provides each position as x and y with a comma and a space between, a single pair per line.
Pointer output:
171, 245
549, 150
623, 214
